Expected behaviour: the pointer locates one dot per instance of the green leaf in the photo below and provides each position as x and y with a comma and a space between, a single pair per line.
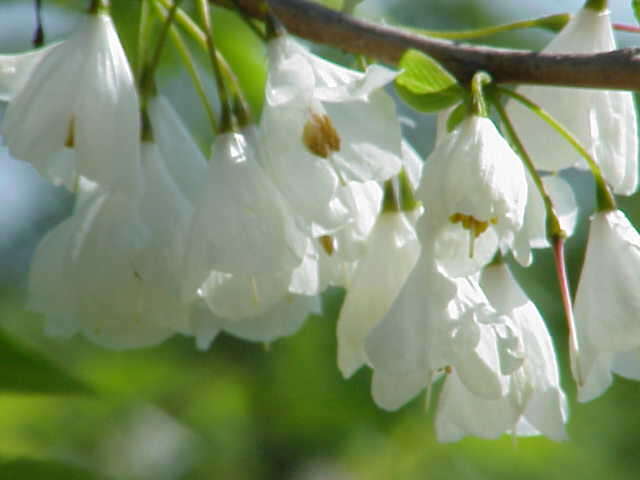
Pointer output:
29, 469
27, 371
425, 85
635, 5
422, 75
457, 116
431, 102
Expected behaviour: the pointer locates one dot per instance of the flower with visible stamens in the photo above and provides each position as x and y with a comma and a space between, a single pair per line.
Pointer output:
475, 192
323, 126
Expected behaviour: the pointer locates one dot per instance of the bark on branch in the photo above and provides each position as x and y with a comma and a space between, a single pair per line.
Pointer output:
619, 69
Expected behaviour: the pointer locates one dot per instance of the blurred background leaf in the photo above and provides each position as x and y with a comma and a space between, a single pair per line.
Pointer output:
29, 371
41, 469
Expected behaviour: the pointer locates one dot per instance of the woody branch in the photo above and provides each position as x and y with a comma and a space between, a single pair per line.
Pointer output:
618, 69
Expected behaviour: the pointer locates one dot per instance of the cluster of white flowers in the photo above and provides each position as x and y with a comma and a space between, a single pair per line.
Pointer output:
326, 192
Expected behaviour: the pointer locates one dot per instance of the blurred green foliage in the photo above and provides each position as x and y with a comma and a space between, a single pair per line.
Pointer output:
244, 411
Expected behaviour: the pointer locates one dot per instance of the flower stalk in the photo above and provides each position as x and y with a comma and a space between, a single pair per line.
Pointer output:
480, 79
225, 100
605, 198
38, 36
554, 23
554, 228
190, 64
565, 292
148, 67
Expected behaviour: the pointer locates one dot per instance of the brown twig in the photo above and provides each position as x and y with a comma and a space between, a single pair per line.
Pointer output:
619, 69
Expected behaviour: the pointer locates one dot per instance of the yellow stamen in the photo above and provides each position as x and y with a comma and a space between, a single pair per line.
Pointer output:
474, 226
320, 136
328, 244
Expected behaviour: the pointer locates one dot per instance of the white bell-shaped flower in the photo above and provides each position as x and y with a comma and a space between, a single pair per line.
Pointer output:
535, 386
79, 93
437, 324
406, 348
117, 257
607, 302
604, 121
322, 125
475, 193
242, 226
392, 252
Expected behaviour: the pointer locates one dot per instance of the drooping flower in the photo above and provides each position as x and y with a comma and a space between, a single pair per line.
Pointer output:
79, 93
436, 325
392, 252
534, 391
474, 192
323, 125
242, 233
115, 254
406, 349
607, 303
604, 121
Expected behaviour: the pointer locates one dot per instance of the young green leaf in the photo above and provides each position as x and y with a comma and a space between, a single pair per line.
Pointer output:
421, 74
425, 85
431, 102
635, 5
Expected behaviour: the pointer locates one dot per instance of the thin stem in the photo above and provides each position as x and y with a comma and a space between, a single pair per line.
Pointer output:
606, 200
626, 28
147, 86
190, 64
144, 30
480, 79
550, 22
553, 227
199, 36
225, 101
565, 292
38, 36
